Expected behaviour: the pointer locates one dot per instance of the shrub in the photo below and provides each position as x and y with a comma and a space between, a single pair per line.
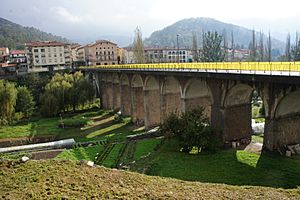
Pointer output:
75, 122
192, 129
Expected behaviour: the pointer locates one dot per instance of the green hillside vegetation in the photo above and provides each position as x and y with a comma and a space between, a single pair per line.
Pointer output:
187, 27
52, 179
14, 36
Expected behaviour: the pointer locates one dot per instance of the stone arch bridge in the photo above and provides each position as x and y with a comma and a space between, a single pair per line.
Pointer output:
149, 92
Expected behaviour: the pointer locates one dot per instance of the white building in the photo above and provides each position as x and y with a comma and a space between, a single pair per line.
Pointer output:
47, 56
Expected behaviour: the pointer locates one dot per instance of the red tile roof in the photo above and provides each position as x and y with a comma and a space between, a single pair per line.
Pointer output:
17, 52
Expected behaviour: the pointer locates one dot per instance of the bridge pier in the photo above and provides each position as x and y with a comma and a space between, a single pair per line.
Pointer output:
125, 94
137, 99
116, 93
152, 102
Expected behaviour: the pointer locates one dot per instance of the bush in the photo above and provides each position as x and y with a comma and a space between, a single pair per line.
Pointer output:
192, 129
75, 122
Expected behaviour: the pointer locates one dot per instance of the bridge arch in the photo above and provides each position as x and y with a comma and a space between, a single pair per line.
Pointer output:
125, 95
171, 93
137, 99
287, 121
237, 113
152, 101
116, 92
197, 93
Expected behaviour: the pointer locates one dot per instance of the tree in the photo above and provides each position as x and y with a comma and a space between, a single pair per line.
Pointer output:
253, 48
288, 56
195, 48
212, 49
138, 47
261, 47
191, 129
8, 97
269, 48
232, 47
25, 103
66, 91
225, 45
296, 49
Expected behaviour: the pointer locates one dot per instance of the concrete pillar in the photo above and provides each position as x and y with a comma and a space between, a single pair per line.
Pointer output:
104, 94
152, 108
237, 122
137, 95
109, 89
125, 100
117, 96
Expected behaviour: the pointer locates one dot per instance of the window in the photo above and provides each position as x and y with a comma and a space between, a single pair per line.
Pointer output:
49, 55
42, 50
55, 60
60, 55
50, 60
55, 55
54, 49
61, 60
36, 50
43, 61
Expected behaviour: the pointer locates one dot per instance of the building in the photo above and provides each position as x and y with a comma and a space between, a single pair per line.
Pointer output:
74, 55
102, 52
4, 53
47, 56
161, 55
18, 57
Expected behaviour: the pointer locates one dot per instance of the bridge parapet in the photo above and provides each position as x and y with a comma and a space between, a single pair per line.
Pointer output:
259, 68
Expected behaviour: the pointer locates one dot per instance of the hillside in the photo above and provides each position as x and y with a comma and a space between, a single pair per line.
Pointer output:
186, 27
50, 179
14, 36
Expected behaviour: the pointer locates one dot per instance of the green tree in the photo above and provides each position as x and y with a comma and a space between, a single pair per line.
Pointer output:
25, 103
192, 129
138, 47
212, 49
296, 49
288, 56
8, 97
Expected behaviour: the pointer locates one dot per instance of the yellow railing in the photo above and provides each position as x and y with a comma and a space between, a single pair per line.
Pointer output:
251, 66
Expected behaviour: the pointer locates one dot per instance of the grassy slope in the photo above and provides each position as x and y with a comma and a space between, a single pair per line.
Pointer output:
51, 179
230, 167
144, 147
87, 153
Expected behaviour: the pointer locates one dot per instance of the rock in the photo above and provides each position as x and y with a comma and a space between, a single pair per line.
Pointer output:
297, 148
288, 153
90, 163
24, 159
291, 148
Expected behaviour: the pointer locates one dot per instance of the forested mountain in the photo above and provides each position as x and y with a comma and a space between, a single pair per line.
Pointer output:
167, 37
14, 36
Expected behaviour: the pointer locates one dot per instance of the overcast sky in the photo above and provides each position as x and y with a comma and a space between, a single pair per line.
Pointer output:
84, 20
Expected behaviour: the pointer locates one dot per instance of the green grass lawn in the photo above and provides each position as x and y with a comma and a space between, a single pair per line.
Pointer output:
230, 167
145, 147
111, 159
257, 138
82, 153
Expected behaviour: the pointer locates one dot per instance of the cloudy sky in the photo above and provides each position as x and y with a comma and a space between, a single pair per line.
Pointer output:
86, 20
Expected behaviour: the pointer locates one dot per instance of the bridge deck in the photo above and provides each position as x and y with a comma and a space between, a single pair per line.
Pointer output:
259, 68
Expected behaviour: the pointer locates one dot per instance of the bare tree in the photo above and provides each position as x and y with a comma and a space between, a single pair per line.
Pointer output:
225, 45
269, 48
253, 48
232, 47
195, 48
261, 47
288, 56
138, 47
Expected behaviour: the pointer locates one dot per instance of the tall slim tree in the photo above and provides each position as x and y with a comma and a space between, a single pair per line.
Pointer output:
232, 47
138, 47
253, 48
212, 47
195, 48
261, 47
269, 48
296, 49
288, 56
225, 45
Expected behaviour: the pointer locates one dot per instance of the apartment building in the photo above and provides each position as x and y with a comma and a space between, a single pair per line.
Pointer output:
47, 56
162, 55
4, 53
102, 52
